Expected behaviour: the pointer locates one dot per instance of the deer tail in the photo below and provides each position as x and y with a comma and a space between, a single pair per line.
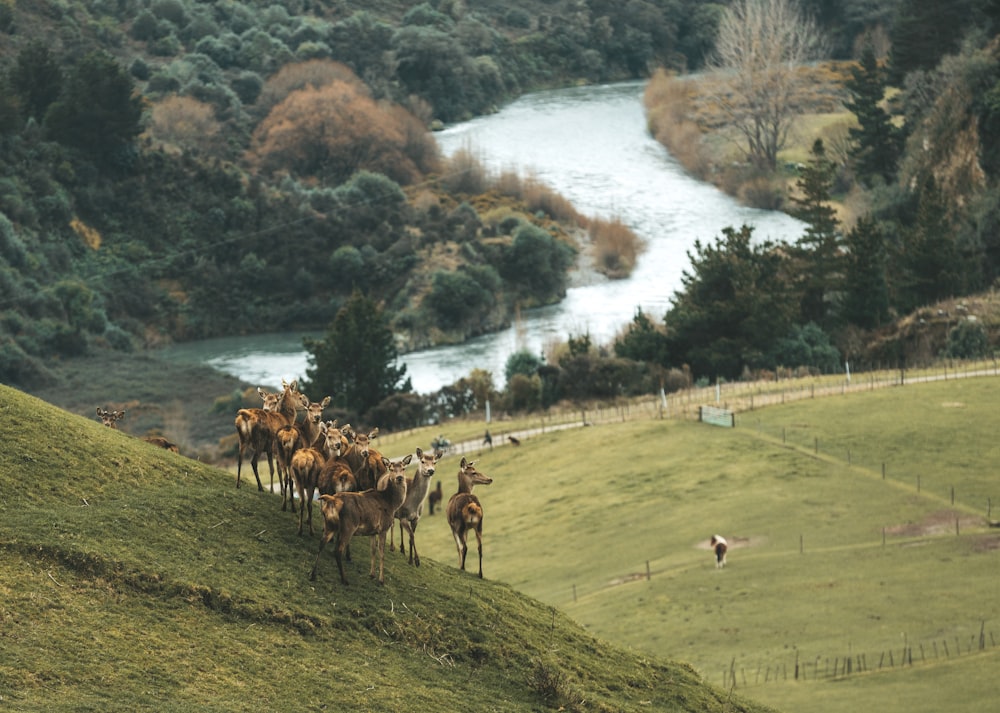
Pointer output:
244, 422
472, 513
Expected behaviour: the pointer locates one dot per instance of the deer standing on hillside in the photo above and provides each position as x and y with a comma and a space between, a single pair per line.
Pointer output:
257, 427
308, 463
371, 512
416, 491
435, 498
465, 512
365, 461
294, 436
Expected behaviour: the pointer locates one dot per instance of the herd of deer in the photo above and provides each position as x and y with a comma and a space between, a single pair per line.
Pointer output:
360, 491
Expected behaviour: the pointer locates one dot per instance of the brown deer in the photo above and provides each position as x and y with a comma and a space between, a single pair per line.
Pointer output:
365, 462
434, 499
294, 436
416, 492
371, 512
465, 512
308, 463
257, 427
111, 419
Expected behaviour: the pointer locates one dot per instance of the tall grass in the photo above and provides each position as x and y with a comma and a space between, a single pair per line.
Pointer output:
616, 246
668, 102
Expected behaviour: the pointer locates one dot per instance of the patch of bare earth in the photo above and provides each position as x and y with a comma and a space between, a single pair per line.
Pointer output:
936, 523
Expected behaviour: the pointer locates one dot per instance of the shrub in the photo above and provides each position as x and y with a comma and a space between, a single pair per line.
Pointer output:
968, 340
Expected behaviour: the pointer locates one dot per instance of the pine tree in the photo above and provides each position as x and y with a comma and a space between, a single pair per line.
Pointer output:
356, 363
876, 143
866, 290
819, 249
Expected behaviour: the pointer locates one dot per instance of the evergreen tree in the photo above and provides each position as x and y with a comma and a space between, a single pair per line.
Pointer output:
732, 308
642, 341
876, 144
926, 30
932, 264
36, 79
819, 250
98, 110
356, 363
866, 290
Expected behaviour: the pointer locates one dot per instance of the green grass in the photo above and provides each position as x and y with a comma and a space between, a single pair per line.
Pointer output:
575, 518
135, 579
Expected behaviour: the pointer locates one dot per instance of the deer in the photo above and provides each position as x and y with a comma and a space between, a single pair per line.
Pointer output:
294, 436
257, 427
370, 512
307, 465
365, 462
465, 512
434, 499
416, 492
111, 419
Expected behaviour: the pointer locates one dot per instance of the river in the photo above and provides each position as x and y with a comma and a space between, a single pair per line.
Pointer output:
591, 145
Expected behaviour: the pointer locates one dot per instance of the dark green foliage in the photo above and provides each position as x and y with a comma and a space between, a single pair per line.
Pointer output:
458, 297
37, 79
643, 341
521, 362
98, 110
876, 144
968, 340
734, 305
926, 30
807, 346
866, 291
818, 250
537, 262
356, 363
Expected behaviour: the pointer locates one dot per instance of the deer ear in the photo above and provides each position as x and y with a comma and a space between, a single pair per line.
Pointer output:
463, 463
325, 402
386, 462
420, 452
409, 457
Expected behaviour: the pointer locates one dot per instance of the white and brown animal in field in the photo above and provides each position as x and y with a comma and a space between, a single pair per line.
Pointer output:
417, 488
111, 419
257, 427
294, 436
719, 547
465, 512
308, 463
370, 512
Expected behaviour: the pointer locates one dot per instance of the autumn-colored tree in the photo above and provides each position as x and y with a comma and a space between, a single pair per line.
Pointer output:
184, 122
332, 131
299, 75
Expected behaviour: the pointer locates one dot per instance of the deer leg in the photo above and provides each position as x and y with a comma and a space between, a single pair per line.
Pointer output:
414, 557
479, 540
378, 549
253, 464
342, 544
270, 466
327, 536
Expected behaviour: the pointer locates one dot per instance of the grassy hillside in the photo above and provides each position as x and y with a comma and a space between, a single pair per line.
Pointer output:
611, 525
135, 579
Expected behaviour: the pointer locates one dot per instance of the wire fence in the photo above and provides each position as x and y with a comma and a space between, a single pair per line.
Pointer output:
798, 667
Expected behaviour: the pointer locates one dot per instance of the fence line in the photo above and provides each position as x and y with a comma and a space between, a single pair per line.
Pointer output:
847, 664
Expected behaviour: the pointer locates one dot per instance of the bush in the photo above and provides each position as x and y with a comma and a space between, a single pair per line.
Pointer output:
968, 340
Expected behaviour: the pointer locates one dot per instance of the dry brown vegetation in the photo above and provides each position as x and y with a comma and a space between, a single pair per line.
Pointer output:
332, 130
616, 247
183, 123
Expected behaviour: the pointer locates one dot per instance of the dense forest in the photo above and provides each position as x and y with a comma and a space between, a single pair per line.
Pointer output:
173, 170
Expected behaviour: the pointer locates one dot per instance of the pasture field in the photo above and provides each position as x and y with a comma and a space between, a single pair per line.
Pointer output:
829, 560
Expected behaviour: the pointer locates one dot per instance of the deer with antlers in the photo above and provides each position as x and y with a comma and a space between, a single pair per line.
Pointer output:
465, 512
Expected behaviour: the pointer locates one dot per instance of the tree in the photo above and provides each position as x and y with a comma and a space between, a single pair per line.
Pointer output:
334, 130
733, 306
37, 80
356, 363
538, 262
758, 51
926, 30
818, 250
643, 341
876, 144
866, 291
99, 110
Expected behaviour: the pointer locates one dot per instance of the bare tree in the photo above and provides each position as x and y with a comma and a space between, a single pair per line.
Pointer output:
760, 47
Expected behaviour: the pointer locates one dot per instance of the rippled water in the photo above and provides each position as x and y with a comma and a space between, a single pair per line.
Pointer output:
591, 145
